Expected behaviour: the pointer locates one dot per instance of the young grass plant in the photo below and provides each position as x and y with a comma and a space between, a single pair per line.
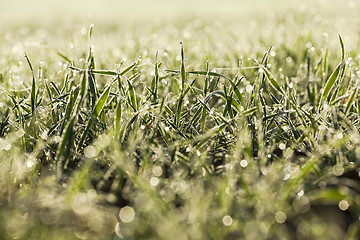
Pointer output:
147, 153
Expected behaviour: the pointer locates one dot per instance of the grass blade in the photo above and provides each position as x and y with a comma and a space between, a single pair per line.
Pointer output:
70, 106
182, 70
132, 96
273, 81
118, 115
154, 84
101, 102
351, 101
342, 48
329, 84
64, 150
33, 87
104, 72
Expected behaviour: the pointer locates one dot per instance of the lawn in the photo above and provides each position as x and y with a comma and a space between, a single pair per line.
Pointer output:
179, 120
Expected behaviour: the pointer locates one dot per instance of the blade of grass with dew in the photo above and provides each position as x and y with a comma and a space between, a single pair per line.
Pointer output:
179, 103
182, 69
273, 81
33, 87
208, 135
118, 115
178, 111
154, 84
95, 113
92, 85
249, 111
203, 119
329, 84
64, 57
132, 96
206, 83
234, 89
126, 126
64, 150
342, 47
325, 66
83, 89
104, 72
70, 107
101, 102
351, 101
256, 89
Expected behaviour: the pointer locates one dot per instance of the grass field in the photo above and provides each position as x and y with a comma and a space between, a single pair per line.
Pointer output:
169, 120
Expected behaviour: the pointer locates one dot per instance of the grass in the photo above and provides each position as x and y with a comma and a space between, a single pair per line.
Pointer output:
133, 137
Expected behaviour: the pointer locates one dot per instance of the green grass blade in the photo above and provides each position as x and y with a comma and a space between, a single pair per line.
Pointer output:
273, 81
33, 87
70, 106
154, 84
91, 28
329, 84
249, 111
128, 68
350, 101
83, 88
342, 48
101, 102
105, 72
325, 66
118, 115
132, 96
182, 70
178, 111
64, 57
206, 83
64, 150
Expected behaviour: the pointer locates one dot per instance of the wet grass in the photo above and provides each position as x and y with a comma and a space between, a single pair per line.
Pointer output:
114, 135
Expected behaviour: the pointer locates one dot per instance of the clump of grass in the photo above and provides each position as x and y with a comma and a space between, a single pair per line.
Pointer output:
182, 153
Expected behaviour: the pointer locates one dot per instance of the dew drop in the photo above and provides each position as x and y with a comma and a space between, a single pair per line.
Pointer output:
157, 171
338, 170
90, 152
127, 214
154, 181
280, 217
227, 220
282, 146
243, 163
343, 205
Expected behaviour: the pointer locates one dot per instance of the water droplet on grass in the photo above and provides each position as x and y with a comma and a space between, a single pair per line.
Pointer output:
157, 171
30, 163
154, 181
90, 152
280, 217
7, 146
249, 88
127, 214
282, 146
227, 220
301, 193
338, 170
343, 205
243, 163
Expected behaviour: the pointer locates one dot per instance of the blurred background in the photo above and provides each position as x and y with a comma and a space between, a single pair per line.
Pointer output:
43, 12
